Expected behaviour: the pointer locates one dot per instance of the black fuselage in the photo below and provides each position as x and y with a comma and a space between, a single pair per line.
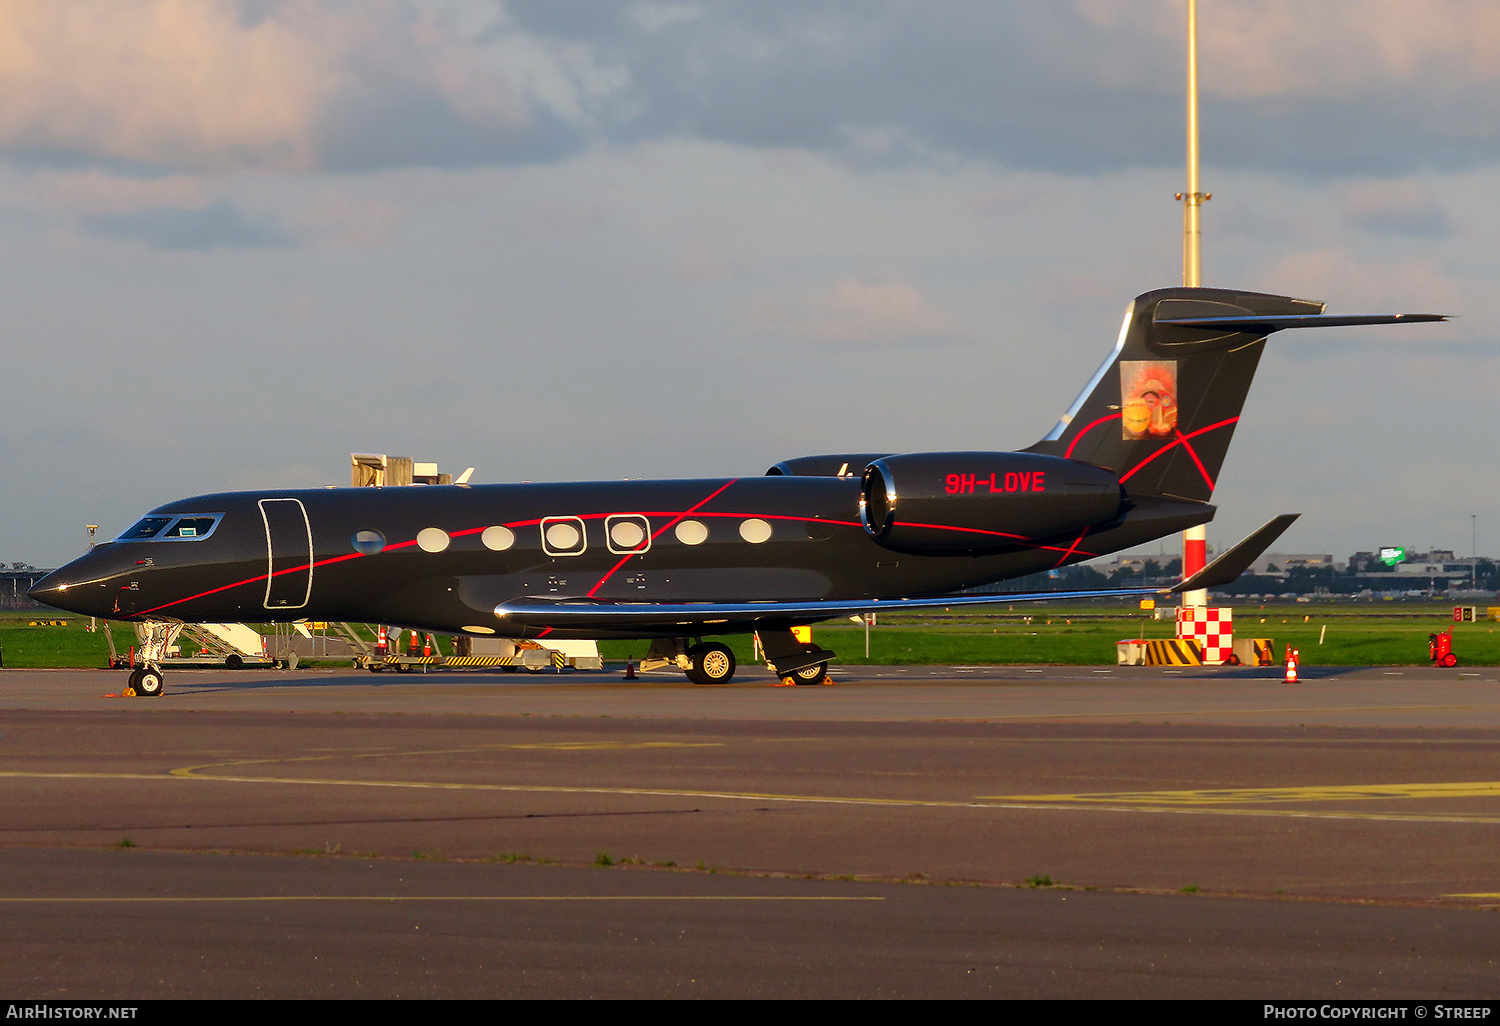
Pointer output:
442, 558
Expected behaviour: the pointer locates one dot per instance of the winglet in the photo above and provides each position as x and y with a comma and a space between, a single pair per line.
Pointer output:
1238, 559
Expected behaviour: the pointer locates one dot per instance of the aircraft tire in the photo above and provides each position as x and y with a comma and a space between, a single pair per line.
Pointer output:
710, 663
815, 674
148, 684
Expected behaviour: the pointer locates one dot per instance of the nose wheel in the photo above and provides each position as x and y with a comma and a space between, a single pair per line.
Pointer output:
147, 682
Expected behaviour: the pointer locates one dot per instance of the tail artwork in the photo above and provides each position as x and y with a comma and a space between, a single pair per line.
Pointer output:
1162, 410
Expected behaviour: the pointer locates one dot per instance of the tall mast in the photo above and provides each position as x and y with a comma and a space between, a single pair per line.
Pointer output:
1194, 539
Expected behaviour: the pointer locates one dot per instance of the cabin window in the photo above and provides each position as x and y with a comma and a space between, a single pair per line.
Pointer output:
628, 533
755, 531
692, 532
432, 539
367, 542
563, 536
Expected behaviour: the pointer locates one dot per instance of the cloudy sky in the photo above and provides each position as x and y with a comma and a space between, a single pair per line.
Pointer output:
563, 239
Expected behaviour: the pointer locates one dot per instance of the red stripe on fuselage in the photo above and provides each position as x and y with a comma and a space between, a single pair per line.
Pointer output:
1074, 548
677, 518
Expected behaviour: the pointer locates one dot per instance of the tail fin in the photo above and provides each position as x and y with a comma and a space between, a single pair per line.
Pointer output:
1161, 411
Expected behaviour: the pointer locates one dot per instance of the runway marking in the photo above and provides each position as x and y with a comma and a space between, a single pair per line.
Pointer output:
228, 899
1036, 804
1241, 796
396, 753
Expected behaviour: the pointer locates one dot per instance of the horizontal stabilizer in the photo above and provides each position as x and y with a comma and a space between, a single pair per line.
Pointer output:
1238, 559
1264, 325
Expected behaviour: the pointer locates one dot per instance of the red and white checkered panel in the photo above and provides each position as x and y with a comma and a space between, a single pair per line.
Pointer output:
1212, 627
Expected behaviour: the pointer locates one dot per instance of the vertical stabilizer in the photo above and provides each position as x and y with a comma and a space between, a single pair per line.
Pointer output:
1162, 410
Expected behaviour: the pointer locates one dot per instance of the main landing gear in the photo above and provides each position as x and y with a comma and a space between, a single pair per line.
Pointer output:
703, 662
793, 661
710, 663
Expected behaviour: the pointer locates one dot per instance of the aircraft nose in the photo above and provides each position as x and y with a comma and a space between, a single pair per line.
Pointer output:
63, 589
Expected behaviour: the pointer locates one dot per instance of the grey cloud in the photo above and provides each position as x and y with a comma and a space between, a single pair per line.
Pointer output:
1029, 85
169, 228
411, 127
1044, 86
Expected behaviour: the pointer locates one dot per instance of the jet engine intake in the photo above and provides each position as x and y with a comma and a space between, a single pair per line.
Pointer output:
975, 501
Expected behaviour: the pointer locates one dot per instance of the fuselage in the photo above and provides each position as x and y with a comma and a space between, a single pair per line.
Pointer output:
442, 558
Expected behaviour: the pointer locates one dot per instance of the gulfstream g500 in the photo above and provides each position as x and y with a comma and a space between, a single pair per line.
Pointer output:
1135, 458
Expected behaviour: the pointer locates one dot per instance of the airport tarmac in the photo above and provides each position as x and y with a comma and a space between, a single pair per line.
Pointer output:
909, 831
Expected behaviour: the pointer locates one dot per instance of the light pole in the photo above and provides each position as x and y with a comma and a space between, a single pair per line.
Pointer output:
1194, 539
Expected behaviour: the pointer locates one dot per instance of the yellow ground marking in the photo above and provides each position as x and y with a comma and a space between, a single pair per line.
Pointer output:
181, 900
1256, 795
1494, 895
1014, 804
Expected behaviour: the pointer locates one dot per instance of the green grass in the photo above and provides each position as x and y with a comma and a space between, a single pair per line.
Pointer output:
1357, 635
1363, 634
72, 646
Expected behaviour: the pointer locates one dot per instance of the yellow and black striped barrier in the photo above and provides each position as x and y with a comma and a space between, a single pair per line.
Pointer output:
1173, 652
1265, 653
479, 661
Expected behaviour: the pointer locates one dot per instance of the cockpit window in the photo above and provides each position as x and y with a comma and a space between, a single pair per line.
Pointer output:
191, 527
184, 527
150, 527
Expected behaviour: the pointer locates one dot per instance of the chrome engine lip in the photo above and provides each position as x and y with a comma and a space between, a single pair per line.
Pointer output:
883, 531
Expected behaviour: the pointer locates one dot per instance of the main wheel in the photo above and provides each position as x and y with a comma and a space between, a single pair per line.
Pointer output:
711, 663
149, 683
815, 674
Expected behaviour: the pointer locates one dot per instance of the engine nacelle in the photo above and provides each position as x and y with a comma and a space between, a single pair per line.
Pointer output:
973, 501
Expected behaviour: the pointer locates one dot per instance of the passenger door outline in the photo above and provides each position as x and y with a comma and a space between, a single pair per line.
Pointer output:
288, 574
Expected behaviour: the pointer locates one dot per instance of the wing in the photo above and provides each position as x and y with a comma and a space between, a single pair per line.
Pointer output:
727, 617
588, 614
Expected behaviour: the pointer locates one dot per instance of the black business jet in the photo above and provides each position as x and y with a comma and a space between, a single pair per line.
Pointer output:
1134, 459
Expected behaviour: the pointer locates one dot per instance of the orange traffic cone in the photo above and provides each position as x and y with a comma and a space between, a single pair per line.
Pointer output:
1291, 665
630, 670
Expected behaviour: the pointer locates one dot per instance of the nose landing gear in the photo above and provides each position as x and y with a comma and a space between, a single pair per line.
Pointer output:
146, 681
